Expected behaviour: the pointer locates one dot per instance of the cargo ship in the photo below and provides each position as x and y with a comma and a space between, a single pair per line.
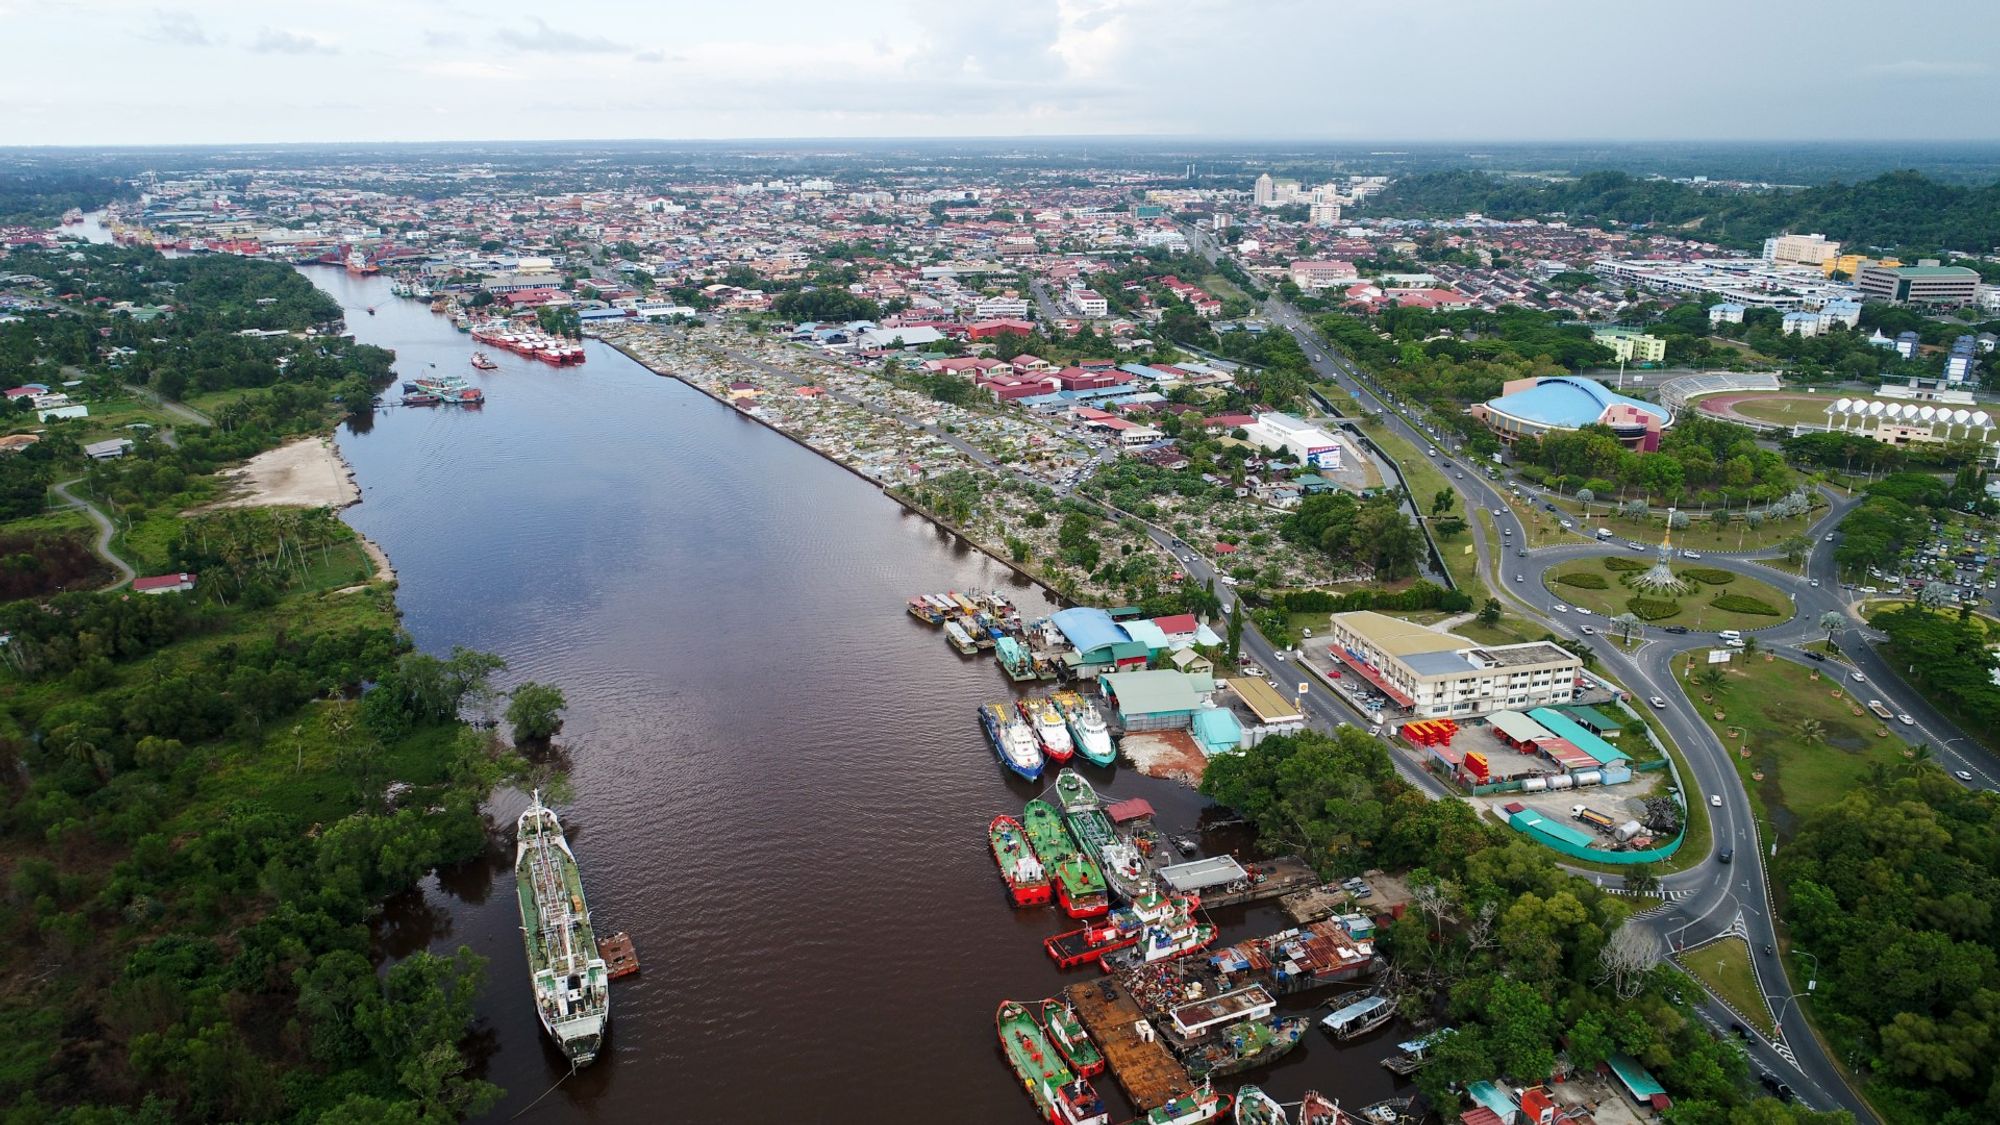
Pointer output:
1062, 1097
1120, 928
1241, 1046
483, 362
1067, 1033
572, 987
1255, 1107
1194, 1108
1027, 880
1079, 884
1050, 730
1163, 941
1015, 746
1086, 728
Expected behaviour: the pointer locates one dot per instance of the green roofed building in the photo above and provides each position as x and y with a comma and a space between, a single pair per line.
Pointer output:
1564, 727
1639, 1083
1155, 700
1593, 720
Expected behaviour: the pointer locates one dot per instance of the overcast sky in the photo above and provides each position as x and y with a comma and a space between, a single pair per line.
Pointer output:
132, 72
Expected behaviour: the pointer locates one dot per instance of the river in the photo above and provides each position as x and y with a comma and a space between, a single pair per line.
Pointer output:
781, 788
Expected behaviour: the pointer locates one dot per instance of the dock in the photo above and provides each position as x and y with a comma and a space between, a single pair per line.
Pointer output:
1144, 1067
1267, 878
621, 958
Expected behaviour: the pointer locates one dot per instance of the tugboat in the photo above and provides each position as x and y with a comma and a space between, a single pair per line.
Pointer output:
1014, 744
1027, 880
571, 984
1075, 793
1196, 1108
1086, 728
1240, 1046
1255, 1107
483, 362
1318, 1109
1049, 729
1120, 928
1161, 942
1067, 1033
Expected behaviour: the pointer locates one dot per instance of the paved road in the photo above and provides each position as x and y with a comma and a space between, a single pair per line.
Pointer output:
105, 531
179, 410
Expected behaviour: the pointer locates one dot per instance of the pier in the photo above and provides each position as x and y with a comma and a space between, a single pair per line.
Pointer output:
1149, 1073
1267, 878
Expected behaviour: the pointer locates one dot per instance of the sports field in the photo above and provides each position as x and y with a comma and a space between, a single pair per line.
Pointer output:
1776, 406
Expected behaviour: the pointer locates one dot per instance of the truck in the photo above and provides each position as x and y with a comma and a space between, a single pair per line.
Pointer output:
1593, 818
1604, 533
1881, 712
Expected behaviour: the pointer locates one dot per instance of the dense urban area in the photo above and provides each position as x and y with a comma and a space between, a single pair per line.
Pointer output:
1546, 614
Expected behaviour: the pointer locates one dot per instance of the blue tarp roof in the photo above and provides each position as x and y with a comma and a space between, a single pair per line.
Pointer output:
1636, 1078
1088, 628
1217, 730
1567, 401
1562, 726
1494, 1098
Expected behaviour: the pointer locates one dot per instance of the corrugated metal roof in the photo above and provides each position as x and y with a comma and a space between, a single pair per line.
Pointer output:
1562, 726
1517, 726
1201, 874
1533, 821
1151, 692
1088, 628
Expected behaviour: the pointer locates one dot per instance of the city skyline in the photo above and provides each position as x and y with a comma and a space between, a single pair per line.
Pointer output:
106, 72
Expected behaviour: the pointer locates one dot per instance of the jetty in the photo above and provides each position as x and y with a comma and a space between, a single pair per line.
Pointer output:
1139, 1058
1221, 881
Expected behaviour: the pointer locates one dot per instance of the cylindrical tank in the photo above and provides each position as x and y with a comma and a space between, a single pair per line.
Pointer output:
1562, 781
1534, 785
1589, 777
1626, 831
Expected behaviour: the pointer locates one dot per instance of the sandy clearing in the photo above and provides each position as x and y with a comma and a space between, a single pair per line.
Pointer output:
307, 473
1169, 754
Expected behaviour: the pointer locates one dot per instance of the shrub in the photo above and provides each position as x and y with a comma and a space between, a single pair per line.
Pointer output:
1743, 603
1652, 609
1585, 581
1709, 575
1621, 563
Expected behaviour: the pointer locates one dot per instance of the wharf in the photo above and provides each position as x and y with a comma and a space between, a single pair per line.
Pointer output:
1147, 1070
1268, 878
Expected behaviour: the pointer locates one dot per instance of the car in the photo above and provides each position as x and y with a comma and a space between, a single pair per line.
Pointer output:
1741, 1031
1816, 657
1962, 775
1903, 717
1829, 539
1518, 578
1677, 630
1550, 507
1715, 800
1815, 583
1521, 553
1691, 554
1658, 703
1769, 1081
1857, 677
1636, 546
1560, 608
1589, 632
1307, 632
1280, 655
1725, 855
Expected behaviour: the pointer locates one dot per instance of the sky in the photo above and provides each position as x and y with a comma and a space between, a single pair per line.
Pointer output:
89, 72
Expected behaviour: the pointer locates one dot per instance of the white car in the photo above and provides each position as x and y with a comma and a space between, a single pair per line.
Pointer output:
1658, 703
1715, 801
1905, 719
1560, 608
1963, 775
1589, 632
1857, 677
1279, 655
1691, 554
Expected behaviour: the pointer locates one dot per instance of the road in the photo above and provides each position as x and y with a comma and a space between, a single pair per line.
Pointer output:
105, 531
1711, 898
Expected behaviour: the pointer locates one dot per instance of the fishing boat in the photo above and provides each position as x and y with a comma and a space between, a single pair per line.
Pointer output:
572, 987
1014, 744
1075, 793
1317, 1109
1125, 869
1193, 1108
1162, 941
958, 638
1067, 1033
1027, 880
1255, 1107
1359, 1017
1086, 728
483, 362
1050, 730
1240, 1046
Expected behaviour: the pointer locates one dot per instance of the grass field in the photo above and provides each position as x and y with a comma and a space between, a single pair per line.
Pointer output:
1701, 534
1222, 287
1767, 706
1695, 612
1724, 966
1784, 407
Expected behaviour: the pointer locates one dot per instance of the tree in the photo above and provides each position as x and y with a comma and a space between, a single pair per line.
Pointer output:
1712, 678
1935, 594
534, 711
1235, 632
1812, 732
1832, 622
1585, 496
1642, 879
1442, 502
1489, 614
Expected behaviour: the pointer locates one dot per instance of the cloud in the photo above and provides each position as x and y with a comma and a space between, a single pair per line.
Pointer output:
178, 28
652, 56
435, 38
1925, 68
554, 40
272, 41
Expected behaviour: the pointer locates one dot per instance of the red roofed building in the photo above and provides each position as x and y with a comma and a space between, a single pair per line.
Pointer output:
1178, 626
1228, 421
1537, 1107
163, 584
1429, 298
1480, 1115
1080, 379
1225, 548
1009, 388
988, 329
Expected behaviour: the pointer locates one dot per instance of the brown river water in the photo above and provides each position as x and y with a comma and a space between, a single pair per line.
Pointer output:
781, 785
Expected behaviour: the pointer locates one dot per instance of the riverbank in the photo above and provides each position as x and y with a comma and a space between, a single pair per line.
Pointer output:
306, 473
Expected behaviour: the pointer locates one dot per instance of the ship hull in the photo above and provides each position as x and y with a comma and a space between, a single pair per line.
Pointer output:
566, 973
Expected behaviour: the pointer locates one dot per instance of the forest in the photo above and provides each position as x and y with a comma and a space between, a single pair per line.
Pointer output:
1895, 210
35, 198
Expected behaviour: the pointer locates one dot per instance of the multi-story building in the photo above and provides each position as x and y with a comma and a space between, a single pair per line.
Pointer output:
1800, 249
1266, 192
1533, 407
1926, 283
1726, 312
1628, 346
1323, 273
1089, 302
1302, 440
999, 308
1325, 213
1433, 675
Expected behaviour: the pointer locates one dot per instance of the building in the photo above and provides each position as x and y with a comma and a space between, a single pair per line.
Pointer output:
1726, 312
1801, 323
1099, 643
1800, 249
1629, 346
1089, 303
1430, 674
995, 308
1305, 442
163, 584
1925, 283
1533, 407
108, 449
1266, 192
1157, 699
1324, 214
1322, 273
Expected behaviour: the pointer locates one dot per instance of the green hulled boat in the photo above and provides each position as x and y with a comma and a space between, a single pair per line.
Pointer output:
572, 986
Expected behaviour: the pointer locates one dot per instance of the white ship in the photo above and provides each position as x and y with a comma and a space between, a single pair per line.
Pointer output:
572, 985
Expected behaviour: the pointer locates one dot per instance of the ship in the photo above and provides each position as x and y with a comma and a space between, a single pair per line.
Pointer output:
1075, 793
1162, 941
1120, 928
1318, 1109
1067, 1033
1358, 1017
1015, 659
421, 398
359, 265
1079, 884
1300, 958
958, 638
1125, 869
1050, 729
1194, 1108
1027, 880
1241, 1046
922, 609
529, 342
483, 362
1062, 1097
572, 987
1014, 745
449, 389
1255, 1107
1086, 728
1389, 1111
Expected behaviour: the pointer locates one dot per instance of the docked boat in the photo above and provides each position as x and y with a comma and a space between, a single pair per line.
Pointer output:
958, 638
1076, 794
1067, 1033
483, 362
1193, 1108
1389, 1111
922, 609
421, 398
1241, 1046
1015, 659
1119, 929
450, 389
1255, 1107
1080, 887
1359, 1017
1014, 744
1161, 941
1300, 958
1027, 880
1050, 730
1087, 730
1318, 1109
571, 984
1125, 869
1063, 1097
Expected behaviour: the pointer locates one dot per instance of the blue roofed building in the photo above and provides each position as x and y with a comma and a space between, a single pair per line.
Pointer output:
1533, 407
1216, 731
1100, 643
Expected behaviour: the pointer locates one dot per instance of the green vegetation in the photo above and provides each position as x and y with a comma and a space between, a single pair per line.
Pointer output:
1724, 966
1585, 581
1652, 609
1524, 959
534, 711
1707, 575
1619, 564
1948, 662
1374, 532
1701, 460
39, 198
1743, 603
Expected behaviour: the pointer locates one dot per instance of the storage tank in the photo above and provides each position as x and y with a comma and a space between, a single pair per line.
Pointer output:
1589, 777
1534, 785
1562, 781
1627, 830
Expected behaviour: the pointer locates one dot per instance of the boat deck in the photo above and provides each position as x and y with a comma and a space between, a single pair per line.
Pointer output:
621, 957
1147, 1070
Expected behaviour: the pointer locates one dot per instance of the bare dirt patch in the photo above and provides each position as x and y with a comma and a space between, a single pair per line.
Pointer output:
307, 473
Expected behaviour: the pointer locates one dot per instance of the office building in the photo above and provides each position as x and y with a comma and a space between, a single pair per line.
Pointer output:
1925, 283
1430, 674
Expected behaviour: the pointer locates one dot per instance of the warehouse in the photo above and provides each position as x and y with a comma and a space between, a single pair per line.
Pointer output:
1155, 700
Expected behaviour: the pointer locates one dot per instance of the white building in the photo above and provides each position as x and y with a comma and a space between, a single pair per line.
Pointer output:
1801, 323
1305, 442
1800, 249
1089, 302
1002, 308
1726, 312
1325, 214
1266, 193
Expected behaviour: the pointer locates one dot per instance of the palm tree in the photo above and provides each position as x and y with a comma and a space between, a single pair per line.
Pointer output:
1749, 644
1712, 678
1628, 625
1832, 622
1920, 758
1584, 496
1812, 732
